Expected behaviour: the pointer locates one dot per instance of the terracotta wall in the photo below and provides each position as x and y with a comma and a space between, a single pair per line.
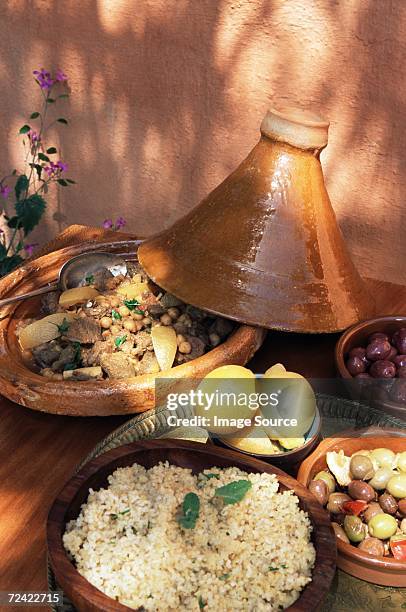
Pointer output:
168, 95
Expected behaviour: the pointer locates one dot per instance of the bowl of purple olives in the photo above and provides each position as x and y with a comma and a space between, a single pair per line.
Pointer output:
371, 356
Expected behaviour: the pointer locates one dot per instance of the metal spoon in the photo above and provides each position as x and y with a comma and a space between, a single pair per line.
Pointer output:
74, 272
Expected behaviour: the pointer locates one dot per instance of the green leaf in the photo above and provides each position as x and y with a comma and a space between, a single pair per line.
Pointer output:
190, 511
120, 340
131, 304
224, 576
51, 150
19, 246
212, 475
29, 212
62, 120
3, 251
202, 603
63, 327
50, 100
14, 222
116, 315
63, 96
34, 115
272, 568
89, 279
62, 182
43, 157
70, 181
21, 185
233, 492
25, 129
9, 263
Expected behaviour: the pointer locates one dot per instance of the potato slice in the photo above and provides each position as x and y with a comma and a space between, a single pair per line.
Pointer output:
44, 330
77, 295
133, 291
95, 373
165, 345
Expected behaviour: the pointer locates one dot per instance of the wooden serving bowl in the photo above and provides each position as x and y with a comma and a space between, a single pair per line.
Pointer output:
357, 335
24, 386
385, 571
192, 455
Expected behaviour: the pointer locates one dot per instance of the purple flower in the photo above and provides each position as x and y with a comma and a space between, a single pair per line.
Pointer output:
4, 190
120, 222
33, 136
29, 248
44, 78
62, 167
60, 76
107, 224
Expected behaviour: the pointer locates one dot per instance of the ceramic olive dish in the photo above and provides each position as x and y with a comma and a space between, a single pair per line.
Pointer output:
385, 571
197, 457
357, 336
22, 385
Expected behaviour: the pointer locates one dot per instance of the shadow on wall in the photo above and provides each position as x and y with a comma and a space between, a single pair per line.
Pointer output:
168, 95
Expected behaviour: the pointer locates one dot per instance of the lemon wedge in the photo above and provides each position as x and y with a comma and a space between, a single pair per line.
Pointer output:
165, 346
291, 443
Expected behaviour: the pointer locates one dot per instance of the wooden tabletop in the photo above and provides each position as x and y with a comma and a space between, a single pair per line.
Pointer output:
39, 452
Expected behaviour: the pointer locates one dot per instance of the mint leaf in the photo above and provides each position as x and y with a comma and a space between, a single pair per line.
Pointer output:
234, 491
89, 279
63, 327
131, 304
116, 315
190, 511
120, 340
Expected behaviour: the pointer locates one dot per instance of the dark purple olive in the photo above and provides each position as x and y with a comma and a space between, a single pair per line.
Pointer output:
388, 503
402, 506
371, 510
401, 372
378, 349
399, 340
398, 391
392, 355
399, 360
320, 491
363, 375
383, 369
372, 546
359, 352
358, 489
378, 336
355, 366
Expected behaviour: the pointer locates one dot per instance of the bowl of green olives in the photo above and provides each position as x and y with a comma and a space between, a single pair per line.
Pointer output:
371, 357
360, 480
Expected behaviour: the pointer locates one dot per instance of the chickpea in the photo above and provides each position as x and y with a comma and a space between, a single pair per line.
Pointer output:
173, 313
185, 347
214, 339
106, 322
147, 321
106, 333
137, 316
130, 325
116, 329
124, 311
114, 301
139, 325
180, 339
165, 319
185, 319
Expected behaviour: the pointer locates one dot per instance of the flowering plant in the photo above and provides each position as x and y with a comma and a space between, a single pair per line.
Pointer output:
39, 173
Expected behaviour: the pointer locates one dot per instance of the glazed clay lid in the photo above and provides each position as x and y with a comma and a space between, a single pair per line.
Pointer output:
264, 247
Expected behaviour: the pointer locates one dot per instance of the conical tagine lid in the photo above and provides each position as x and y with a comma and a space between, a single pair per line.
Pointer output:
264, 247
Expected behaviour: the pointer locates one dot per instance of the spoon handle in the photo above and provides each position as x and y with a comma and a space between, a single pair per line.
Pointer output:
24, 296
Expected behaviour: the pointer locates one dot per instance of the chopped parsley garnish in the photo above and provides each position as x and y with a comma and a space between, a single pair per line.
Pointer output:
202, 603
271, 568
131, 304
116, 315
233, 492
120, 340
77, 358
190, 511
224, 576
89, 279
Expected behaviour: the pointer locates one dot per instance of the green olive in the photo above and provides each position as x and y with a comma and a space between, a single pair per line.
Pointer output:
396, 486
361, 467
328, 479
402, 461
383, 456
382, 526
354, 528
381, 478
